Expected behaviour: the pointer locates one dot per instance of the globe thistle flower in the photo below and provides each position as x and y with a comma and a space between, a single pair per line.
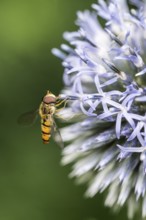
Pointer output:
105, 81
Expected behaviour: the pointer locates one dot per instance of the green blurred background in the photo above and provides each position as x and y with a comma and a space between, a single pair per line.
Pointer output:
33, 185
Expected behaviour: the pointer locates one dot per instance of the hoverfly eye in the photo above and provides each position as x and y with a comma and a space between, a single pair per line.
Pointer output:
49, 99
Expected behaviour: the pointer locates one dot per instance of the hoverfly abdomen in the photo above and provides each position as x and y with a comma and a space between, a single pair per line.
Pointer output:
46, 131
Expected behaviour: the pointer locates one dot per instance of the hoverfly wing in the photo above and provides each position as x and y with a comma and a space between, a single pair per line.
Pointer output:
28, 118
56, 134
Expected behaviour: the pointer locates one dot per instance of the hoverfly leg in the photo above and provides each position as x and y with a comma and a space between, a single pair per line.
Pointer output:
60, 102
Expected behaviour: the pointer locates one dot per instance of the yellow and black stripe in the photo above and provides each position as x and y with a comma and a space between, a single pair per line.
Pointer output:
46, 131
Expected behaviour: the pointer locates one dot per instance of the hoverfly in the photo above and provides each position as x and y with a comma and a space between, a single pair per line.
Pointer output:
47, 110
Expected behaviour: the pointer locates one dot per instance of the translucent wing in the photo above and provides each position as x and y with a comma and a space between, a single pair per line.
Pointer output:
68, 115
56, 134
28, 118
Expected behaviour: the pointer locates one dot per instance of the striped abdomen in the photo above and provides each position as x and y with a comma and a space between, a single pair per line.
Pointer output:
46, 130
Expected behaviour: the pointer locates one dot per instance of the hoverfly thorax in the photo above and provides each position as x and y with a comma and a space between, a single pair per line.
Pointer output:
48, 104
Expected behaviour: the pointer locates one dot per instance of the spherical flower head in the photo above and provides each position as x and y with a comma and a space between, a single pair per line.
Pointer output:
105, 82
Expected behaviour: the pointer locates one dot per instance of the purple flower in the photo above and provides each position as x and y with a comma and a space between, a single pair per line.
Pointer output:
105, 82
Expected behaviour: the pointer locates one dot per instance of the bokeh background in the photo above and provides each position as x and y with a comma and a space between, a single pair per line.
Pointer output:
33, 185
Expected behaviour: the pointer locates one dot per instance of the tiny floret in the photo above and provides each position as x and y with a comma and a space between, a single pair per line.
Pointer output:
105, 83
